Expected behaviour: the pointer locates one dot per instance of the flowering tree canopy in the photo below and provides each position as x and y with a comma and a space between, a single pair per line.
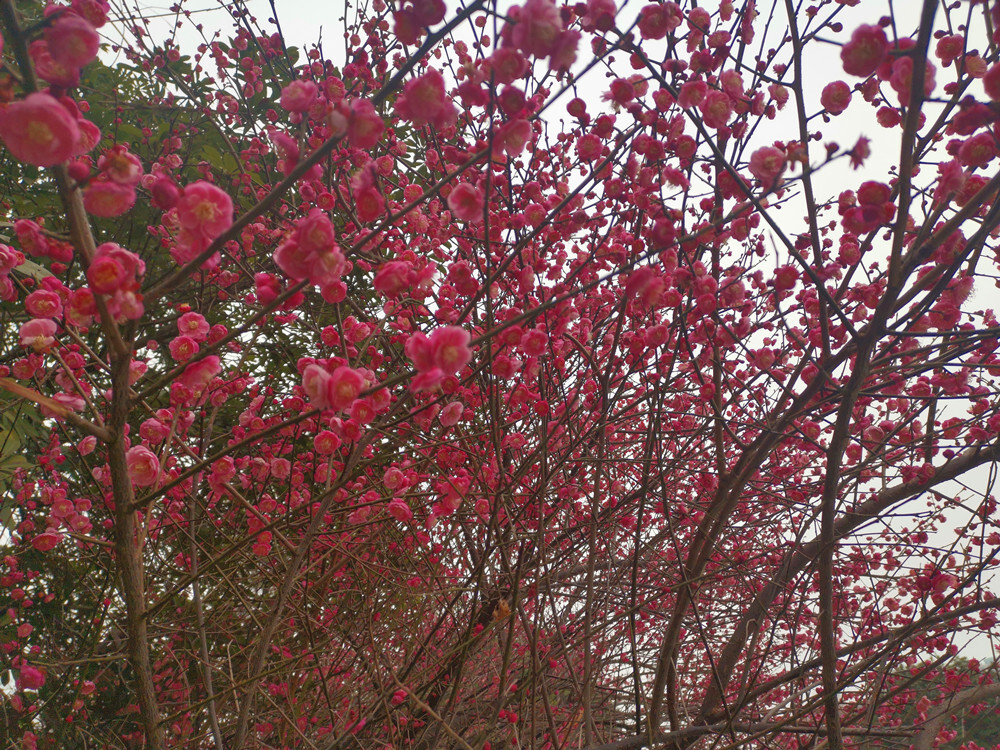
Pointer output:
552, 375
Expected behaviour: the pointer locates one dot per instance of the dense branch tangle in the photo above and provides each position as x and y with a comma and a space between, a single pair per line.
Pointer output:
542, 376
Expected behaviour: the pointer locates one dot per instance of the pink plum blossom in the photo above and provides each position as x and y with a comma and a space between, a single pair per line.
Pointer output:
39, 130
866, 50
73, 41
298, 96
767, 164
183, 348
466, 202
46, 541
343, 387
108, 199
836, 97
43, 303
204, 211
193, 324
143, 466
399, 510
424, 101
197, 375
449, 347
30, 678
121, 166
38, 333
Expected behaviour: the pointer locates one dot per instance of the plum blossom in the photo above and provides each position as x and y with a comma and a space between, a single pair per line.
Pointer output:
692, 93
716, 109
43, 303
466, 202
451, 414
450, 348
30, 678
399, 510
153, 431
95, 11
73, 42
335, 390
204, 211
443, 353
326, 442
120, 166
183, 348
39, 130
836, 97
359, 121
38, 333
767, 164
46, 541
48, 69
902, 76
345, 385
536, 29
107, 199
311, 251
298, 96
197, 375
164, 192
866, 50
657, 20
511, 137
143, 466
116, 273
194, 325
424, 101
392, 278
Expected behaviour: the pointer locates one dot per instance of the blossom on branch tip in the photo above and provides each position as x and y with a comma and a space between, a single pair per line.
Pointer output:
143, 466
39, 130
310, 251
332, 390
836, 97
466, 202
865, 51
298, 96
767, 164
95, 11
73, 41
399, 510
164, 192
38, 333
364, 124
204, 211
197, 375
48, 69
46, 541
716, 109
43, 303
449, 347
121, 166
30, 678
425, 101
536, 28
659, 19
194, 325
107, 199
183, 348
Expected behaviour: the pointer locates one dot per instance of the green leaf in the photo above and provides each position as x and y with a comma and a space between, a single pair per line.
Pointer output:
30, 268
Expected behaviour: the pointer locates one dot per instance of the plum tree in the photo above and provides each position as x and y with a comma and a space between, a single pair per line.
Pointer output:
543, 375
